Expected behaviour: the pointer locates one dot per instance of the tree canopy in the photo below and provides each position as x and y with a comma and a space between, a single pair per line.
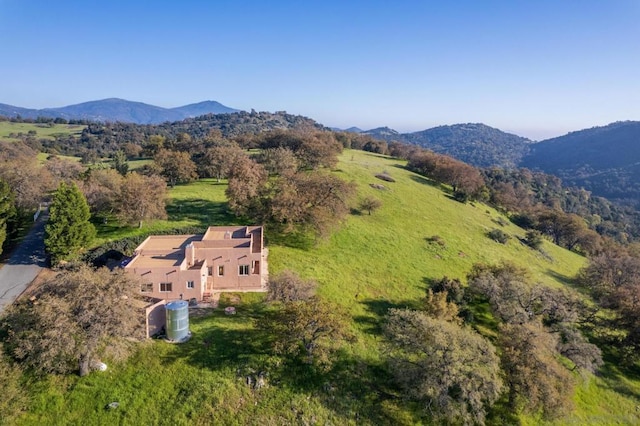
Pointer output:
141, 198
74, 318
7, 210
68, 229
453, 371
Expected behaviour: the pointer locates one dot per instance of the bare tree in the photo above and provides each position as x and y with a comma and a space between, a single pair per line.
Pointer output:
101, 188
370, 204
289, 287
141, 198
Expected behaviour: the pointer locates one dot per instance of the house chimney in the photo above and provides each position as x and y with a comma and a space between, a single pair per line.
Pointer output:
190, 254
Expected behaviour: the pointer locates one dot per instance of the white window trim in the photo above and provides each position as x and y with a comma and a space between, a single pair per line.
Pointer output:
243, 267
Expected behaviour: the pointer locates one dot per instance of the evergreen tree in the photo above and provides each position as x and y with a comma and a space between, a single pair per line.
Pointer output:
68, 229
120, 163
7, 210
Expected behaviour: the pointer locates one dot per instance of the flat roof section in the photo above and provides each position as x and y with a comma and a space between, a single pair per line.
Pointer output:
166, 260
162, 251
166, 243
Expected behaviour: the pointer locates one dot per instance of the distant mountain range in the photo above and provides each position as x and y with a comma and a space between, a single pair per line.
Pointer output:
114, 109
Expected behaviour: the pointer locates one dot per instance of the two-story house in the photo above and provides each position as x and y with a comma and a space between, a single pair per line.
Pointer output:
225, 258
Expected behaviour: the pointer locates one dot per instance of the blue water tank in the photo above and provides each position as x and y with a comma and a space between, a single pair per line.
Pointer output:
177, 320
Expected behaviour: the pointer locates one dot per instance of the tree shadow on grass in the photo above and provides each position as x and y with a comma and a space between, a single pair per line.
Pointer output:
355, 389
615, 372
377, 310
351, 387
564, 279
423, 180
226, 340
294, 239
205, 212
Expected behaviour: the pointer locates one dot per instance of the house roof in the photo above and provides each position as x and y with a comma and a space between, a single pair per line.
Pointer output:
159, 251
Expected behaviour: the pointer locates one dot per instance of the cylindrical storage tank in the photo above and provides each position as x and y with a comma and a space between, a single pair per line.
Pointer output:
177, 320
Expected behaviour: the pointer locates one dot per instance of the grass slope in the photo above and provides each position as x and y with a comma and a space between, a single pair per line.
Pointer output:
371, 263
43, 130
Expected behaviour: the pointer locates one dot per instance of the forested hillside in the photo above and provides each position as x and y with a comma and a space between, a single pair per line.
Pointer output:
473, 143
604, 160
104, 139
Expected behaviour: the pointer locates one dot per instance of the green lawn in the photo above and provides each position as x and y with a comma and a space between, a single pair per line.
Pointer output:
136, 164
43, 156
369, 264
43, 130
198, 204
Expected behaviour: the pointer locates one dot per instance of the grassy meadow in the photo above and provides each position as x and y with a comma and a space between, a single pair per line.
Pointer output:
43, 130
369, 264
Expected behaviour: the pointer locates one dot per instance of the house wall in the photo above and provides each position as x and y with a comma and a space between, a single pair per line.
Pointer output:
156, 318
231, 259
178, 280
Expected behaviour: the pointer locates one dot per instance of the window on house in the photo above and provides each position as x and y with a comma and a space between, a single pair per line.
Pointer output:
166, 287
243, 270
190, 284
210, 270
146, 288
220, 270
255, 266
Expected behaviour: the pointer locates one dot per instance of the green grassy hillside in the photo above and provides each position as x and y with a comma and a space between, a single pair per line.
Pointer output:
9, 130
371, 263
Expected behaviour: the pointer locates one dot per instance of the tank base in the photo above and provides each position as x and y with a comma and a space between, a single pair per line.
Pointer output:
184, 339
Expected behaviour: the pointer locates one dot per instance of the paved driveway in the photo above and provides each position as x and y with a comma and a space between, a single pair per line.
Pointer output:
24, 265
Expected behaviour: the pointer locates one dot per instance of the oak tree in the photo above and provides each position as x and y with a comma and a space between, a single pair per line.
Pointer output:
452, 371
73, 319
141, 198
287, 286
101, 188
308, 329
370, 204
175, 166
535, 379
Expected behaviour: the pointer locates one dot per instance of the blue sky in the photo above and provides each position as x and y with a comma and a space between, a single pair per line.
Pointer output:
536, 68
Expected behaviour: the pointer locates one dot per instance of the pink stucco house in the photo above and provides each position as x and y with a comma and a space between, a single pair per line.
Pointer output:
225, 258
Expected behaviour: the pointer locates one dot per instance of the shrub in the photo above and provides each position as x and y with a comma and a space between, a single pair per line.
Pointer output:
436, 239
498, 236
533, 239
